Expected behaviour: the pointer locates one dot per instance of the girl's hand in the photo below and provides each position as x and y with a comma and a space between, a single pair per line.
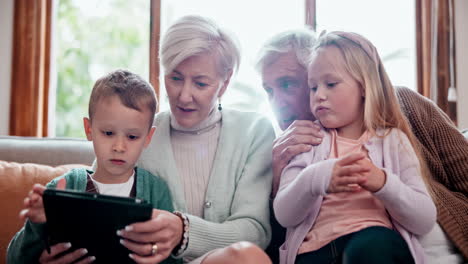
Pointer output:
348, 175
376, 177
34, 207
164, 230
55, 256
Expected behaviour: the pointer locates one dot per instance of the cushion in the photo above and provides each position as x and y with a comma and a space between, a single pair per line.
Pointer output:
438, 248
16, 180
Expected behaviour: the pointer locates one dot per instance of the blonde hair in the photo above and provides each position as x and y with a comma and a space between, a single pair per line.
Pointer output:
381, 107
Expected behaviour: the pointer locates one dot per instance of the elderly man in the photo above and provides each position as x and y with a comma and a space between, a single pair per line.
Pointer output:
283, 66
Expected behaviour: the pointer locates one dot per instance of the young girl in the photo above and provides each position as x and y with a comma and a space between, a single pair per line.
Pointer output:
359, 197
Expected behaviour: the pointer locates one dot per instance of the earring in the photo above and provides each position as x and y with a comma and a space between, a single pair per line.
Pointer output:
219, 104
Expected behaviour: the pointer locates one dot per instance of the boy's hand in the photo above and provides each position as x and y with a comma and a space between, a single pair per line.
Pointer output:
348, 175
375, 177
57, 255
34, 208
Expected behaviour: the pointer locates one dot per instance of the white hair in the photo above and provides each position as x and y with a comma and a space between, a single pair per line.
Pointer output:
193, 35
299, 41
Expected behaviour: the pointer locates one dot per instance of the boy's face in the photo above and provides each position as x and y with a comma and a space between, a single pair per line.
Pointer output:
119, 135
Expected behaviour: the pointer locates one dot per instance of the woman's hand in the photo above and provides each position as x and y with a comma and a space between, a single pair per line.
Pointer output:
298, 138
33, 205
348, 174
164, 230
55, 257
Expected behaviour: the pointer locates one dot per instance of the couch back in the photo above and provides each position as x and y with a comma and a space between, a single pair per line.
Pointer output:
25, 161
47, 151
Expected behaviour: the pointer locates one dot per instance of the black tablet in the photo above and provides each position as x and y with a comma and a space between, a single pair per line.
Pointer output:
91, 221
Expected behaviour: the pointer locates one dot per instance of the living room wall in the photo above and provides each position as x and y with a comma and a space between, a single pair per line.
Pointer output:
6, 31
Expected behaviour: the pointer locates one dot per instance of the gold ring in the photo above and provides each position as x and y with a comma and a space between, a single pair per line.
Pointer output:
154, 249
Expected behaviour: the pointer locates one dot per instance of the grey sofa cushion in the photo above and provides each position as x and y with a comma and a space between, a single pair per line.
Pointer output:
47, 151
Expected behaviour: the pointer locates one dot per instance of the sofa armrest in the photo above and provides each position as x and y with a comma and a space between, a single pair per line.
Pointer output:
16, 180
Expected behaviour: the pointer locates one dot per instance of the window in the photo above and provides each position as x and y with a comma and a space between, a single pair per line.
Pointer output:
252, 25
93, 38
390, 26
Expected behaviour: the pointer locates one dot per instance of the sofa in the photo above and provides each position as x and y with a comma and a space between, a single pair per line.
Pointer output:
27, 160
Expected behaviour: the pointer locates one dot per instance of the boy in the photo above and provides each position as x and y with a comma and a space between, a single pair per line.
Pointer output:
121, 112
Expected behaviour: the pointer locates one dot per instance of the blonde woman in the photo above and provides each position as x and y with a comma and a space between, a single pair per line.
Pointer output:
216, 161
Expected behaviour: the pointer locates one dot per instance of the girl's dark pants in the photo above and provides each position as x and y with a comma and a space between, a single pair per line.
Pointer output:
371, 245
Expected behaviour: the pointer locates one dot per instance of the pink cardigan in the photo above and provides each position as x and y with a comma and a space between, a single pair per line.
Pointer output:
305, 180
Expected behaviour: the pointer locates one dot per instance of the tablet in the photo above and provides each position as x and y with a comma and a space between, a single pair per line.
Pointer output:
91, 221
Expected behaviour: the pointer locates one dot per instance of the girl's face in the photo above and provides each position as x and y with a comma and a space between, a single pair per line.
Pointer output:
193, 88
336, 98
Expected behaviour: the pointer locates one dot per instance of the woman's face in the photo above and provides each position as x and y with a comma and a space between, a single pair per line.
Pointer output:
193, 88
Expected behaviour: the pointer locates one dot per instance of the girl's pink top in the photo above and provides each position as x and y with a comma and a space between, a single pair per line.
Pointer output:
345, 213
305, 180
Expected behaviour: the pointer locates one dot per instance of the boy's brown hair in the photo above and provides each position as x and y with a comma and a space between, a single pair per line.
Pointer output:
133, 91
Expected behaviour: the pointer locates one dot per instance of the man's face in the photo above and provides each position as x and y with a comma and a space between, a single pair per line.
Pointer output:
285, 81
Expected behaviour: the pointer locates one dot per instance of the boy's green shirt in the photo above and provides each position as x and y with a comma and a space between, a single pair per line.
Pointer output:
27, 246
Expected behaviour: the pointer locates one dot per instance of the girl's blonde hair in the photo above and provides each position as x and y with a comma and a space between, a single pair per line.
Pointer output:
381, 106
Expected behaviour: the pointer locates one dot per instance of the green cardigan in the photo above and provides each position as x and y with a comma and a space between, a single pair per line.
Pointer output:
27, 246
237, 195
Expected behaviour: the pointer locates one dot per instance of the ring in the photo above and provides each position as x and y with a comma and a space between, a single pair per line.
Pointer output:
154, 249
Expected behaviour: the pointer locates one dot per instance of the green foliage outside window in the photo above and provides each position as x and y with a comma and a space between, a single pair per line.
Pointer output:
93, 38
